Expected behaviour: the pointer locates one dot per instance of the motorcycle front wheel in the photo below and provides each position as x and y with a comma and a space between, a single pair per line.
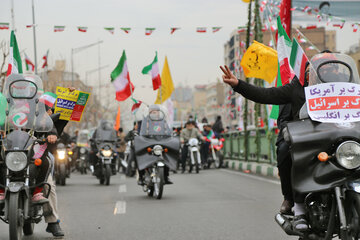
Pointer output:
107, 175
159, 183
16, 216
62, 175
219, 159
197, 165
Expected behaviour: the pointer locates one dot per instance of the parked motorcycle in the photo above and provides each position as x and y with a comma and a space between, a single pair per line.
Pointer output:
194, 154
326, 159
62, 165
156, 151
25, 115
216, 155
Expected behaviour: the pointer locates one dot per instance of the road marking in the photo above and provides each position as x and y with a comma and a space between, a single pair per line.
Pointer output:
122, 188
252, 176
120, 207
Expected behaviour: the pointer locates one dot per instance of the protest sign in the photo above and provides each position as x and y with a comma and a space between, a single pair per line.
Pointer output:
70, 105
333, 102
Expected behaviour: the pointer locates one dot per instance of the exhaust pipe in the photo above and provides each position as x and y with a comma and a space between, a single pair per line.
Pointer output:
285, 224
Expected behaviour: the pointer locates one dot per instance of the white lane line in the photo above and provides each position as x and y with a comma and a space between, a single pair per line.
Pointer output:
120, 207
122, 188
252, 176
122, 177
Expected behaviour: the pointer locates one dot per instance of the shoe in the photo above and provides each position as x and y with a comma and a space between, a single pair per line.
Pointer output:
39, 198
140, 182
55, 229
299, 223
2, 197
286, 207
167, 181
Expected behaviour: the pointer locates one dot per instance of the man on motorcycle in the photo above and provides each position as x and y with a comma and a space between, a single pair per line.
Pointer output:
204, 150
188, 132
293, 94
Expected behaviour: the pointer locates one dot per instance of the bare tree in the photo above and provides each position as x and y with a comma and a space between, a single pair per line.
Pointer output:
5, 53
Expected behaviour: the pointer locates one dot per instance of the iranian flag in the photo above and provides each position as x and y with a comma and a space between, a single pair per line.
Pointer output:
284, 50
126, 29
29, 65
45, 58
59, 28
149, 31
312, 26
155, 73
135, 106
14, 57
340, 24
241, 29
82, 29
201, 29
355, 27
110, 29
4, 26
29, 26
216, 29
121, 79
48, 98
298, 61
172, 30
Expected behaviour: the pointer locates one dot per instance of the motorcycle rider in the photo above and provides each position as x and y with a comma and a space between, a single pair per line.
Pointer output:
293, 94
218, 126
204, 150
190, 131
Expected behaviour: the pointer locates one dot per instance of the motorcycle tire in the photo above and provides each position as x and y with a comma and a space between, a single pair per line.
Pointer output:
28, 228
16, 220
197, 166
62, 175
108, 173
159, 184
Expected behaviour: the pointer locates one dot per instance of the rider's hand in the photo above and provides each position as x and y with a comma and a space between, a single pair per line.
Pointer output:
52, 138
71, 89
228, 77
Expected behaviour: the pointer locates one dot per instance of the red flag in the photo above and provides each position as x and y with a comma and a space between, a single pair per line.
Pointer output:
117, 123
285, 15
45, 57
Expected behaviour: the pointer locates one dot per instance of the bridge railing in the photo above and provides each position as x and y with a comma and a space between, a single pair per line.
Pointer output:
234, 147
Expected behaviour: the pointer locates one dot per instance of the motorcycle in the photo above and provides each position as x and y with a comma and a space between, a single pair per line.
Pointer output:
194, 154
156, 152
331, 154
216, 155
62, 165
82, 151
105, 139
21, 152
128, 163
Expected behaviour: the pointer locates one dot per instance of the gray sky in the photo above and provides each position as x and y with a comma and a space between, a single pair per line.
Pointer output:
193, 58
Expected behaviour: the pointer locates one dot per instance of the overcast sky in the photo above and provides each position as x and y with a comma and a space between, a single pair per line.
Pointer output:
193, 58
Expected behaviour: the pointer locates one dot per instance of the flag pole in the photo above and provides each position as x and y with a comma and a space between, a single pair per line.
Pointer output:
34, 34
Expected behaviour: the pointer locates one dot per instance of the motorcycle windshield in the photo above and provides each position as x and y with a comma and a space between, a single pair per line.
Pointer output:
332, 67
18, 140
155, 123
24, 111
105, 132
83, 139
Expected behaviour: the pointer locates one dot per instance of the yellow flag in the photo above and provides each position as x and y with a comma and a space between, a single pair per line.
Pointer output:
246, 1
260, 61
167, 86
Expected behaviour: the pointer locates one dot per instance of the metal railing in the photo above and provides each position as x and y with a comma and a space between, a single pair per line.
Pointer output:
234, 147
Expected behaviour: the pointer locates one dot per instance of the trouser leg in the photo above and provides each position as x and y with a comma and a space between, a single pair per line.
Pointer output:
52, 206
284, 167
184, 154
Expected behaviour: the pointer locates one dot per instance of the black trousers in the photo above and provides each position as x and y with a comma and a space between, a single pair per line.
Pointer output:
184, 153
284, 164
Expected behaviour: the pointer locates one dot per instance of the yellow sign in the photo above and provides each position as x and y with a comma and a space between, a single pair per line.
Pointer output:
70, 105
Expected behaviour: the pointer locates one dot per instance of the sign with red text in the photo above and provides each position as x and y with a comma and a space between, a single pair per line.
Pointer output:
333, 102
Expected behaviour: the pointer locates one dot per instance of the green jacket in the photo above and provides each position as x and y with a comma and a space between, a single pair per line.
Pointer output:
186, 134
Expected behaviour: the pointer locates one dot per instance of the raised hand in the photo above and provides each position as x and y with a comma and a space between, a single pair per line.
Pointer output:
228, 77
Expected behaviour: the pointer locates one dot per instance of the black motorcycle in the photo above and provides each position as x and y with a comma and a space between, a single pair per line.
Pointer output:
82, 161
156, 152
21, 152
62, 165
129, 163
326, 162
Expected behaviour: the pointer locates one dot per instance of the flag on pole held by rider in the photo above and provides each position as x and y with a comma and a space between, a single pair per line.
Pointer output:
153, 68
298, 61
45, 58
15, 65
48, 98
135, 106
29, 64
167, 85
121, 79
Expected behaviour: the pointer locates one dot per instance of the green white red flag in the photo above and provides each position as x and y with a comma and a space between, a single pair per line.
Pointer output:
153, 68
298, 61
135, 106
126, 29
59, 28
149, 31
15, 65
30, 66
121, 79
48, 98
216, 29
4, 26
110, 29
201, 29
82, 29
173, 29
284, 50
242, 29
45, 58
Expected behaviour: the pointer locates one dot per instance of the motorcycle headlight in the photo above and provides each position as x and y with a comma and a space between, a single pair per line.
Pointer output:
157, 150
82, 150
16, 161
61, 154
106, 153
70, 152
348, 154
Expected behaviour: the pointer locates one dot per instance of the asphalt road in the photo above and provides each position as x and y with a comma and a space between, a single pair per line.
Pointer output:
215, 204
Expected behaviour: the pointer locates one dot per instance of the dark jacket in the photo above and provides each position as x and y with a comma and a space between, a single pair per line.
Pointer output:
284, 117
292, 93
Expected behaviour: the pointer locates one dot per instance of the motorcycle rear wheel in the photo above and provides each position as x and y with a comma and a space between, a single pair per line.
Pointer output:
16, 220
219, 159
